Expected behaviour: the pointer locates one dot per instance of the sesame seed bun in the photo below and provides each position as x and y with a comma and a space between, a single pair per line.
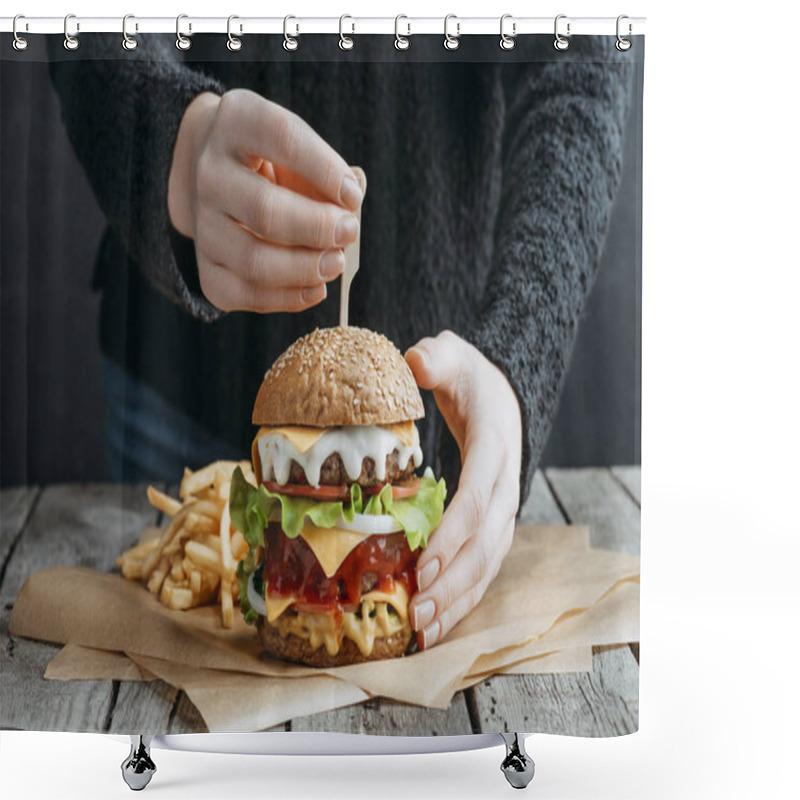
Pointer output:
338, 376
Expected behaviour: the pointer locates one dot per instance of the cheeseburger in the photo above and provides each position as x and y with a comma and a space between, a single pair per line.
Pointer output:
339, 515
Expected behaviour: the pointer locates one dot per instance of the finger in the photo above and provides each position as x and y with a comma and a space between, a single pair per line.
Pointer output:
290, 180
439, 361
228, 292
461, 588
268, 130
255, 261
466, 513
282, 216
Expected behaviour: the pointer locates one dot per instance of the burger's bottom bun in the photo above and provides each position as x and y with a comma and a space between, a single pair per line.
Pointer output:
294, 648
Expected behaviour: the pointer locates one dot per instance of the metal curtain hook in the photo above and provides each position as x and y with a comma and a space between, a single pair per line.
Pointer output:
290, 43
401, 42
346, 42
19, 42
561, 42
452, 42
70, 42
233, 44
623, 44
507, 42
182, 42
128, 42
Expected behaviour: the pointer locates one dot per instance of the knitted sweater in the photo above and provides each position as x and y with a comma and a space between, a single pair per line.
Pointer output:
491, 180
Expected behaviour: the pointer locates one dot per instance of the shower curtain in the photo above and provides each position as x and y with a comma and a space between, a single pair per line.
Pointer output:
174, 219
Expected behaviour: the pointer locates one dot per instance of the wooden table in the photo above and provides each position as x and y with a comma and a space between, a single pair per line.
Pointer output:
90, 524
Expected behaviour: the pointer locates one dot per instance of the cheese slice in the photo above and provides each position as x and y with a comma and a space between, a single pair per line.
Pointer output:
301, 437
404, 431
276, 605
331, 546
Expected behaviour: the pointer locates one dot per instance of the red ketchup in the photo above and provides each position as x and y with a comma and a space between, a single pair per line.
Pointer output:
292, 569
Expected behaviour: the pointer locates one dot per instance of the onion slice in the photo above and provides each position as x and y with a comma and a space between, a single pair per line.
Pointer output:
370, 524
256, 600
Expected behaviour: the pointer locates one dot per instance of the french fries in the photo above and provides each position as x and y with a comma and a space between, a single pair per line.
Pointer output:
193, 561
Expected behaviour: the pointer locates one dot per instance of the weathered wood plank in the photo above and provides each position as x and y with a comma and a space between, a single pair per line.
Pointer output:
15, 506
593, 497
387, 717
142, 707
71, 524
631, 479
540, 508
185, 717
550, 702
29, 702
603, 703
78, 525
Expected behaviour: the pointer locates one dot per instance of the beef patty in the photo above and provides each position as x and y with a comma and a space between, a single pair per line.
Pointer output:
333, 472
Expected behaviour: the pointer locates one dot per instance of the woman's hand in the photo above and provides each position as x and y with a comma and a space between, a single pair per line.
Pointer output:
267, 201
465, 551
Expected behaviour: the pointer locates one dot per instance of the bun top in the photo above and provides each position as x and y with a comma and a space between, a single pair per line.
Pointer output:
339, 376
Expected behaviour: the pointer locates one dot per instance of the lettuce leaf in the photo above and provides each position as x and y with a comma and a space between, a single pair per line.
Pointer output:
251, 509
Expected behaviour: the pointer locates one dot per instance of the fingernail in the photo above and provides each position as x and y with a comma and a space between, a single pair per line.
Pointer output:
431, 635
427, 575
346, 230
350, 193
423, 614
331, 264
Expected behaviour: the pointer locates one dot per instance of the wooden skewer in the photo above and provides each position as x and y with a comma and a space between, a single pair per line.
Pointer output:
351, 257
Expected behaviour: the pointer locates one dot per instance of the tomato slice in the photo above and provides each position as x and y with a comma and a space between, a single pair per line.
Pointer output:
399, 491
304, 490
407, 489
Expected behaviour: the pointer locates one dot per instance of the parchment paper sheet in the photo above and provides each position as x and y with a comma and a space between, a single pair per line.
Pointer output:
552, 594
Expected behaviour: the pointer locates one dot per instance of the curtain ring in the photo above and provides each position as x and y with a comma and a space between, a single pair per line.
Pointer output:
290, 43
401, 42
19, 42
623, 45
128, 42
182, 42
507, 42
346, 42
70, 42
233, 44
561, 42
451, 42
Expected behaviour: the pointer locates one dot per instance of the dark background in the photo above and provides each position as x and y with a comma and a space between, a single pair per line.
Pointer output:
50, 368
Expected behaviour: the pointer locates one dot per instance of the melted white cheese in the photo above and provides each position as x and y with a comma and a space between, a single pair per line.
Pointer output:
354, 443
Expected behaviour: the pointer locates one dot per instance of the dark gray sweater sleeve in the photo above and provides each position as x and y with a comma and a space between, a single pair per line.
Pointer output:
122, 111
562, 163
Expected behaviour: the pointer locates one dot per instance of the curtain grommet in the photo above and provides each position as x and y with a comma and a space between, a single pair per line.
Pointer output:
20, 43
623, 44
234, 44
346, 42
290, 43
401, 42
70, 42
451, 42
508, 42
561, 43
128, 42
182, 42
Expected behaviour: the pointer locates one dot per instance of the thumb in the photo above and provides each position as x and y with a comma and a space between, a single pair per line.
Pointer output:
437, 362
